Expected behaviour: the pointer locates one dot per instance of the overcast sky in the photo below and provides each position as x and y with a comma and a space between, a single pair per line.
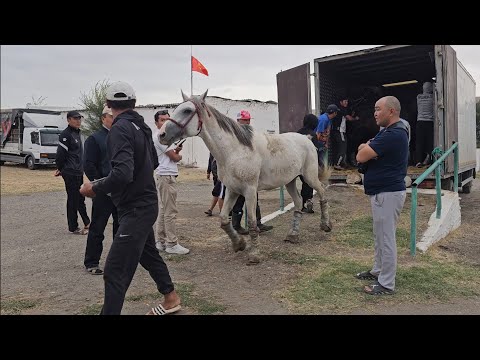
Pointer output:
61, 73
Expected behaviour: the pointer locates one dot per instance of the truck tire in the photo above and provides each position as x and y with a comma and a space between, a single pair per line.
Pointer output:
467, 187
30, 163
2, 163
447, 184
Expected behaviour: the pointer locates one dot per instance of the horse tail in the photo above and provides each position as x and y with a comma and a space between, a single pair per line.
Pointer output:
324, 172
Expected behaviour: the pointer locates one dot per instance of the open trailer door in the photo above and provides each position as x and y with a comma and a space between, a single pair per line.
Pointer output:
446, 128
294, 101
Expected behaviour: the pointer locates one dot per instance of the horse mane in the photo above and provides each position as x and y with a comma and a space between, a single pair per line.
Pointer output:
243, 133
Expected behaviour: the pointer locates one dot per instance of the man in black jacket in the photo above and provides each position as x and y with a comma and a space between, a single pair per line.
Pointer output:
310, 122
243, 118
130, 182
69, 162
97, 166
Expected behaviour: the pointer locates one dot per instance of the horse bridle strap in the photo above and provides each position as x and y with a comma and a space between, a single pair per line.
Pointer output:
197, 111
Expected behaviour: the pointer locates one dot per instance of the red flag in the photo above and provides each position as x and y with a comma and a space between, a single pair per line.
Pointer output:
197, 66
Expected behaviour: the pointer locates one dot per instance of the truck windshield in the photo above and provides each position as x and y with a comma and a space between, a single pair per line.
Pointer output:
49, 138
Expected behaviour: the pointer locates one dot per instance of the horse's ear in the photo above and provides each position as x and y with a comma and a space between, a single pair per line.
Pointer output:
185, 97
204, 95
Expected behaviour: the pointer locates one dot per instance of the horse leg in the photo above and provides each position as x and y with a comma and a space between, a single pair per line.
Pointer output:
292, 235
251, 204
238, 242
311, 177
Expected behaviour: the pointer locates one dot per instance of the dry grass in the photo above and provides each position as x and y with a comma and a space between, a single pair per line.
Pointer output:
16, 179
187, 174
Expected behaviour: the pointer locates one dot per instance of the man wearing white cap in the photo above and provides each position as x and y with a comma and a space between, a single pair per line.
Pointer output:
97, 166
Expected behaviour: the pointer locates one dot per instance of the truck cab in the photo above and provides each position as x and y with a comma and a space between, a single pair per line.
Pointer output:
41, 144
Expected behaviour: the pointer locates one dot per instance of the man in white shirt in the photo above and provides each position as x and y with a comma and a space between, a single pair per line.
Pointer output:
165, 178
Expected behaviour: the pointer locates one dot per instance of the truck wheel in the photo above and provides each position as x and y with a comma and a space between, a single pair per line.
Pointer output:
447, 184
30, 163
2, 163
467, 187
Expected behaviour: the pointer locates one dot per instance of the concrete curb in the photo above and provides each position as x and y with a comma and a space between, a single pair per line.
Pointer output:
450, 220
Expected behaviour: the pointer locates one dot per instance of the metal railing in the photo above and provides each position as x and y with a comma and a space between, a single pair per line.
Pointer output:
434, 167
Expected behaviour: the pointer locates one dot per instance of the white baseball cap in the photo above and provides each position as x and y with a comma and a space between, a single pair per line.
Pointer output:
119, 91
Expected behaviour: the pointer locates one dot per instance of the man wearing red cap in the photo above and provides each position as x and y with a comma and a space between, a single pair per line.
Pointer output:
243, 118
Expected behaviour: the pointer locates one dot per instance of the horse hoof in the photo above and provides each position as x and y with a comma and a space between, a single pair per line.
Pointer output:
239, 246
326, 227
292, 239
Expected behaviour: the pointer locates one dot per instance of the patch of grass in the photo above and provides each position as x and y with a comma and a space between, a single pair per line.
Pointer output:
13, 307
93, 309
359, 233
16, 179
204, 306
190, 299
332, 287
294, 258
438, 280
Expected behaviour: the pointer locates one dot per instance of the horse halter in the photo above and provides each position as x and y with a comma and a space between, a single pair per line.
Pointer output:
197, 111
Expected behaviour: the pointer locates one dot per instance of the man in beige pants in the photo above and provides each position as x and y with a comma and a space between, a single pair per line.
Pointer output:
165, 178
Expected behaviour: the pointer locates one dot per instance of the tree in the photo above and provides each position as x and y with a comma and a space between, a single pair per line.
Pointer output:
93, 103
37, 102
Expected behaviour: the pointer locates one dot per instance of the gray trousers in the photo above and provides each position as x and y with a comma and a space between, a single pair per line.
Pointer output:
386, 208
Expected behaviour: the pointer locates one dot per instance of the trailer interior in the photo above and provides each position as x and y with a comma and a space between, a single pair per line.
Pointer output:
367, 75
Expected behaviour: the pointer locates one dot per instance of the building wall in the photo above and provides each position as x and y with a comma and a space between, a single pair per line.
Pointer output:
195, 153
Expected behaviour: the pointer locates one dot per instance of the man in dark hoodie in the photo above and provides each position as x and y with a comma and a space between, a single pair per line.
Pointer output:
310, 123
130, 182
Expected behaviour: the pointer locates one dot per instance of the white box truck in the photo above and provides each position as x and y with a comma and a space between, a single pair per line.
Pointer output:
397, 70
30, 136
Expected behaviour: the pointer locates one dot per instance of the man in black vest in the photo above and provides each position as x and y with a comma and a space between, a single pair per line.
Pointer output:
97, 166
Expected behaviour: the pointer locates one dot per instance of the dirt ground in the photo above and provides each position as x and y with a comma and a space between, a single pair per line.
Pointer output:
42, 265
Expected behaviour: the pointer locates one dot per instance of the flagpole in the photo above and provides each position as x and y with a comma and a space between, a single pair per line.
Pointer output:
191, 71
191, 90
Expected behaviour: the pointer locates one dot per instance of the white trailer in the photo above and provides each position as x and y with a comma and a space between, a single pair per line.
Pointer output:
398, 70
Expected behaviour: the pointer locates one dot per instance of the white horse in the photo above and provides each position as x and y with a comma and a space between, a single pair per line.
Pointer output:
249, 161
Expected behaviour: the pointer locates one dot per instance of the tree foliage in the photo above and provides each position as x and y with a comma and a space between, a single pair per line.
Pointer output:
39, 101
93, 103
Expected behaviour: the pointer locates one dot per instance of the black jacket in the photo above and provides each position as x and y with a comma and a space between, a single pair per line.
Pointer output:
212, 166
69, 158
133, 159
96, 163
310, 123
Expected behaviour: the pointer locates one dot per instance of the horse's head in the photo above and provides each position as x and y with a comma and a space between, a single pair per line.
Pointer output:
185, 121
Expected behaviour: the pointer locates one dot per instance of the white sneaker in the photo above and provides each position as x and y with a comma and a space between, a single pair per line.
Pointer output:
177, 249
160, 246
